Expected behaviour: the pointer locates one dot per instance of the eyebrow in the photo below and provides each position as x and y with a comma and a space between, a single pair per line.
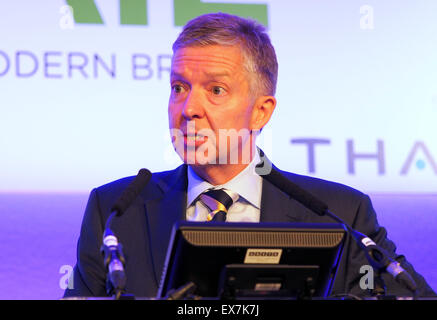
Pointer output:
220, 74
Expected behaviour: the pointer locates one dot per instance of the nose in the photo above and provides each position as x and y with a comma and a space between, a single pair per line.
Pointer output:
193, 107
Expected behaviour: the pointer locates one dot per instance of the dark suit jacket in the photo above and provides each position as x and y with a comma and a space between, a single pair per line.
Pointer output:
144, 231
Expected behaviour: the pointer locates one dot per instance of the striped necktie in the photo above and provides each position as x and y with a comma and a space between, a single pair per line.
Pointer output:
218, 202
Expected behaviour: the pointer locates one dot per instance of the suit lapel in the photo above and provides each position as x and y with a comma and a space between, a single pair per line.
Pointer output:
276, 206
162, 213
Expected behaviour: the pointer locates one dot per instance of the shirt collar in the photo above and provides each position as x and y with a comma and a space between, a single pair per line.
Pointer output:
248, 184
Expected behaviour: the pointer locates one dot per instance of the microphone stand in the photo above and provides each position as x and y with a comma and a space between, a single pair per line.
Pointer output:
379, 260
114, 261
111, 249
377, 256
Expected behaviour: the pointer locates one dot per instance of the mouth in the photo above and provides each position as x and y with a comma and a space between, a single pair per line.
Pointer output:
194, 140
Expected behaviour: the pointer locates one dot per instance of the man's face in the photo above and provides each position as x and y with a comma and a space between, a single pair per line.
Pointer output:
210, 96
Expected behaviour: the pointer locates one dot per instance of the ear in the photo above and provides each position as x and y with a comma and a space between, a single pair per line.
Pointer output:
262, 111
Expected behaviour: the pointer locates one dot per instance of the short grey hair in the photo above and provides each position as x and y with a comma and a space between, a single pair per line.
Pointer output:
226, 29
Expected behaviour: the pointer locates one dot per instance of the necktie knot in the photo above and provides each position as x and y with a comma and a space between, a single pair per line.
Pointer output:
218, 201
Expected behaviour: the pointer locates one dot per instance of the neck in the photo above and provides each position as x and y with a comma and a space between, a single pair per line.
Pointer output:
220, 173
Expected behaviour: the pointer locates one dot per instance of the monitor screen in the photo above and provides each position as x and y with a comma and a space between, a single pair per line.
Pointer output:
241, 260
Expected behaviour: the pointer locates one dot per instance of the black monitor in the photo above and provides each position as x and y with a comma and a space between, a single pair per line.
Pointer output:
250, 260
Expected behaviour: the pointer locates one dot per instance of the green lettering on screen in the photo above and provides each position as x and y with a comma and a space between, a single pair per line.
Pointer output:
85, 11
185, 10
133, 12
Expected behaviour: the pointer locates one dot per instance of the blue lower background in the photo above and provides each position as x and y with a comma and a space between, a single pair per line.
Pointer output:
38, 235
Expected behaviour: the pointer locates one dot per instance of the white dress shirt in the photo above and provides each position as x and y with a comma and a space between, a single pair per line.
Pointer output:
247, 184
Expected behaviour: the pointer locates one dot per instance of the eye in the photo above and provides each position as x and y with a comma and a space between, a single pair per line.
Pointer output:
177, 88
216, 90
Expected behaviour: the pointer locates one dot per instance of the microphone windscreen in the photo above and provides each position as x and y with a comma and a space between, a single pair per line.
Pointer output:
132, 191
296, 192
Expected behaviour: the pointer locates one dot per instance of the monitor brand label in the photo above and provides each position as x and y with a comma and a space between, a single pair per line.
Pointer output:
263, 256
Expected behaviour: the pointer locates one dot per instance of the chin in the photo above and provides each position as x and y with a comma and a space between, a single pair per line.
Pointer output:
198, 159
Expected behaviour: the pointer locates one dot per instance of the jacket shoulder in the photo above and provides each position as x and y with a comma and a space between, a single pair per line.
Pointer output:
109, 192
122, 183
320, 186
341, 199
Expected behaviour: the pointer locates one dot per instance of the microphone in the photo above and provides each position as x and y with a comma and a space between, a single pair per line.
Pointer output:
182, 292
111, 249
296, 192
132, 191
377, 256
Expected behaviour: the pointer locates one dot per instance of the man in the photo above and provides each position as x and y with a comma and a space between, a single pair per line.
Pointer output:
223, 80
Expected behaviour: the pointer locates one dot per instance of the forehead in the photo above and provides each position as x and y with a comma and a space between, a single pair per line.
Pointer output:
208, 59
